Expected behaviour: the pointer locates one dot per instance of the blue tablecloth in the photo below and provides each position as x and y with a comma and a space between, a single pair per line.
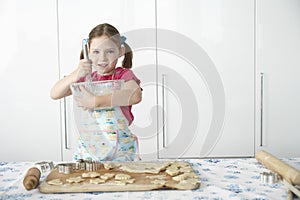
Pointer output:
220, 179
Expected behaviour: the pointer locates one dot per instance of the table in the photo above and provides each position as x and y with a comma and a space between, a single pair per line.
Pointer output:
235, 178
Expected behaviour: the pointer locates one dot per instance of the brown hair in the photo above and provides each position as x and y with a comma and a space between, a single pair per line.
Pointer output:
111, 32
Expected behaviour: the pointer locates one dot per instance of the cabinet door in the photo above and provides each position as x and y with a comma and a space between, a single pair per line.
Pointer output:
135, 19
206, 78
30, 124
278, 50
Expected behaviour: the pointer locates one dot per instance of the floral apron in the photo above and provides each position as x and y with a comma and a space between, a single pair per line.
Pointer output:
104, 135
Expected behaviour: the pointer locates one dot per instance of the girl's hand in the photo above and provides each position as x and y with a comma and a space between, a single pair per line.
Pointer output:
84, 68
86, 100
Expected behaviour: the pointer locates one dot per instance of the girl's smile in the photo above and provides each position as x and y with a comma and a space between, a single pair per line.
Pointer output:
102, 65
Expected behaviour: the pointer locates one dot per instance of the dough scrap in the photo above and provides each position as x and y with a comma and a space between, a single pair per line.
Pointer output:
172, 171
186, 169
159, 182
160, 177
144, 167
180, 164
124, 182
192, 181
184, 176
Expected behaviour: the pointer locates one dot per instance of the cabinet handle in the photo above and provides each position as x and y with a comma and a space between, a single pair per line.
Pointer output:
163, 109
65, 123
261, 107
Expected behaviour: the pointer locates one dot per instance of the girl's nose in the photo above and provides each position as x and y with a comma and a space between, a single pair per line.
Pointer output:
102, 56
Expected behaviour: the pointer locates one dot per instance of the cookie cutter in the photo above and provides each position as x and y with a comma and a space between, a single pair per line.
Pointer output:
45, 166
269, 177
92, 165
65, 168
68, 168
80, 164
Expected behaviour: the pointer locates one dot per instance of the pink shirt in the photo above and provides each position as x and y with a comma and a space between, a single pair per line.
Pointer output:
119, 74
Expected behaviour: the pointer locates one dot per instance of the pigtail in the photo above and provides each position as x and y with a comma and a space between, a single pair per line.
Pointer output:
127, 61
81, 55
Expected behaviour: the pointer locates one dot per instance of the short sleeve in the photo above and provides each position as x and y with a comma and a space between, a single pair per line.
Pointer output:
82, 79
128, 75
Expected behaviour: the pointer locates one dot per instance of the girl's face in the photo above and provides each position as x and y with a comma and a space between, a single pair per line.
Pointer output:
104, 54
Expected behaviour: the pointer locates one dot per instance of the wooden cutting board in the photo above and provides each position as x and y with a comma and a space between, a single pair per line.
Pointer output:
144, 181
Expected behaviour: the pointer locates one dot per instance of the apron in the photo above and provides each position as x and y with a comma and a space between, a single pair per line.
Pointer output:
104, 135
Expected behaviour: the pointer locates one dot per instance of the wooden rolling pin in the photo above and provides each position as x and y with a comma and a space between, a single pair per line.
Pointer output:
286, 171
32, 178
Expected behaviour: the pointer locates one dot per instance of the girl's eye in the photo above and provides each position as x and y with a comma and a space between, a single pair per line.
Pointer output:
95, 52
110, 51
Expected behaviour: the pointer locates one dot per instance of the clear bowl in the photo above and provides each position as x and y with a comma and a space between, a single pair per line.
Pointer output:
98, 88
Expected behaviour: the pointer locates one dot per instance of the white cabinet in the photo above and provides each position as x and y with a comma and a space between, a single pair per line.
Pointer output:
197, 75
278, 51
30, 125
133, 18
206, 78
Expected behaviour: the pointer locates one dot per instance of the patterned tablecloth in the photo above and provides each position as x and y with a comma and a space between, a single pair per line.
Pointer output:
220, 179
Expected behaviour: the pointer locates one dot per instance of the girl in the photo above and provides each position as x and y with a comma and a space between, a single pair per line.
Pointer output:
106, 46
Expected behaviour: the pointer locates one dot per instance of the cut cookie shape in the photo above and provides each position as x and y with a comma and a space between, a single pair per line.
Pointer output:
97, 181
55, 182
77, 179
122, 177
90, 175
107, 176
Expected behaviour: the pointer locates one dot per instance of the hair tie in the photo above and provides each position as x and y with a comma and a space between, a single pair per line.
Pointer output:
123, 39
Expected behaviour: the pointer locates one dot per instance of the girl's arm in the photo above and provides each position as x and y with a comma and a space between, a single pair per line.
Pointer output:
62, 87
130, 94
